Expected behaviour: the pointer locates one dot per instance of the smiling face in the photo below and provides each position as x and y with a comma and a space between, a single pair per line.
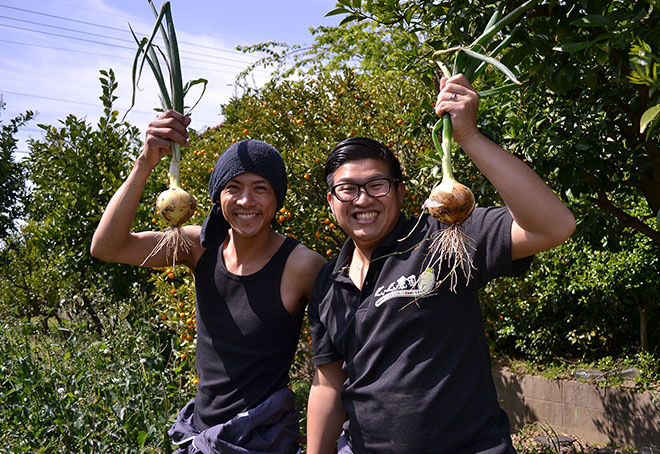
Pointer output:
367, 220
248, 204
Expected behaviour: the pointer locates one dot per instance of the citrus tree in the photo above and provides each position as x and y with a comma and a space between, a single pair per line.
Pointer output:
73, 172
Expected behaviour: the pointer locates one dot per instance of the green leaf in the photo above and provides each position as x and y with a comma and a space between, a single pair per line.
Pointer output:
648, 117
592, 20
191, 84
337, 11
498, 90
474, 68
175, 62
501, 67
436, 141
142, 438
483, 40
351, 18
572, 46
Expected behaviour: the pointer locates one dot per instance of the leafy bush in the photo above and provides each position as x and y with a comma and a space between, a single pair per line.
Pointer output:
72, 390
577, 302
73, 171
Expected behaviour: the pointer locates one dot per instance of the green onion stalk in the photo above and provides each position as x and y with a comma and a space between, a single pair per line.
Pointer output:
451, 202
175, 204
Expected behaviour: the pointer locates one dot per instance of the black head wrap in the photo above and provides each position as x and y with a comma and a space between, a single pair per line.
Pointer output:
253, 156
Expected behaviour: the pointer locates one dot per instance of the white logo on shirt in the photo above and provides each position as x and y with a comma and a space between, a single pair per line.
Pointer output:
407, 286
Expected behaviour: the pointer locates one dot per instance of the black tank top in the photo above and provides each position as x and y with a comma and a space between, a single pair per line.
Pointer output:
246, 338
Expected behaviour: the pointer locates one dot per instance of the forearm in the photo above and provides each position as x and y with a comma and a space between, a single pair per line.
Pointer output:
533, 205
114, 229
325, 416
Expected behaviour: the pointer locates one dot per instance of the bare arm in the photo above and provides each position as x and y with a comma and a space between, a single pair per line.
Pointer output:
325, 413
301, 269
541, 220
113, 240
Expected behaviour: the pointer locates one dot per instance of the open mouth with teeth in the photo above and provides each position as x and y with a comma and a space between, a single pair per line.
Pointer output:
365, 216
246, 216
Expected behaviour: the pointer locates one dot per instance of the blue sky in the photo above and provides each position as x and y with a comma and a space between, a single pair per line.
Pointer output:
51, 52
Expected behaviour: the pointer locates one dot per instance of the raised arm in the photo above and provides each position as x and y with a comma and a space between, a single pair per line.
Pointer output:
325, 412
541, 220
113, 240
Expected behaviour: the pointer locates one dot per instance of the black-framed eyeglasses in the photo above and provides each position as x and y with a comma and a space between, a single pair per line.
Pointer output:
376, 187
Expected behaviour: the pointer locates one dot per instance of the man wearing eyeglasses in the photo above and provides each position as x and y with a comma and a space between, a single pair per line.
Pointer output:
402, 361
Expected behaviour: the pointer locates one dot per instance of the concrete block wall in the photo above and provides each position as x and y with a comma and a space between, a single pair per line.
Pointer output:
600, 415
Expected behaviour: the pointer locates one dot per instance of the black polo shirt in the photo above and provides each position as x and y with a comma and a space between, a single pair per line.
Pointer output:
419, 373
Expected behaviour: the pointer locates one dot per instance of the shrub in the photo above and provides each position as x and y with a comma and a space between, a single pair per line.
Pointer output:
73, 390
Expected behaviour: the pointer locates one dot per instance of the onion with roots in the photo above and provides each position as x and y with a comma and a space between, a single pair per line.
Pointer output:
450, 202
175, 204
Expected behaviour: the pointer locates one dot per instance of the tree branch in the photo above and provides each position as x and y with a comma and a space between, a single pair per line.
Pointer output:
624, 219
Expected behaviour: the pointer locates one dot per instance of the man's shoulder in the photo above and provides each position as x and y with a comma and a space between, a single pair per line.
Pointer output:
303, 256
304, 261
324, 278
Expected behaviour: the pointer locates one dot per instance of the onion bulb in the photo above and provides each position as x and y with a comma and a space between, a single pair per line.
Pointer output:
176, 206
450, 202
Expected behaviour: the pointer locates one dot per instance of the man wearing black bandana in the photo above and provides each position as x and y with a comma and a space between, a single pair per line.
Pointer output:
402, 361
252, 285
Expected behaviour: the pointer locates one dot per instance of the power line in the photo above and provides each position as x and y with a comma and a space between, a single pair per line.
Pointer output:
117, 56
41, 24
64, 36
108, 44
115, 29
61, 28
48, 98
60, 17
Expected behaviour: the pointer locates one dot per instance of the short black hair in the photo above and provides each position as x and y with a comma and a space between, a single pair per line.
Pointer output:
357, 149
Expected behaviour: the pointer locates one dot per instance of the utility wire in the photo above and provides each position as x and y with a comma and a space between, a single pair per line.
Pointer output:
41, 24
61, 28
48, 98
110, 45
41, 46
114, 28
